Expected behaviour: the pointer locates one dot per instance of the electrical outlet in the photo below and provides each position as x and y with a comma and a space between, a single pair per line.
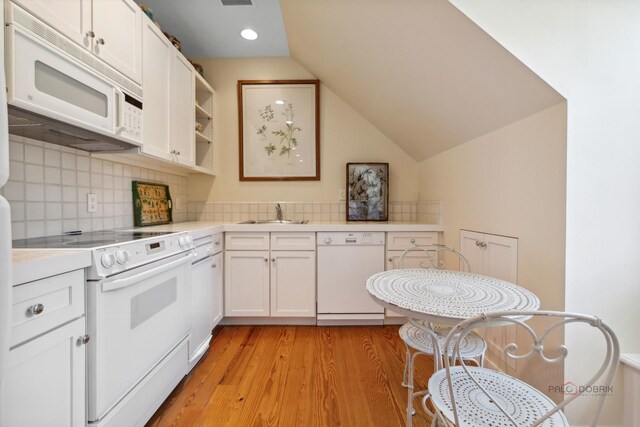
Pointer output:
92, 203
343, 195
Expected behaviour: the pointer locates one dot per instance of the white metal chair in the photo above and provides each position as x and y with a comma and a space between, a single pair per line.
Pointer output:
419, 337
474, 396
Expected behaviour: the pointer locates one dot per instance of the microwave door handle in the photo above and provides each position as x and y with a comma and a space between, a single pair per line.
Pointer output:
119, 127
132, 280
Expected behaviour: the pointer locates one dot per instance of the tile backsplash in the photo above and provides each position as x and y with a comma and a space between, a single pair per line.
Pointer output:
410, 212
48, 187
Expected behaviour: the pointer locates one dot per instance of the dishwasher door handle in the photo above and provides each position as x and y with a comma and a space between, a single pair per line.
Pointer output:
128, 281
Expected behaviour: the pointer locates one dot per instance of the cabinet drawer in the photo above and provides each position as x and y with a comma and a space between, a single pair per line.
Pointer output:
402, 240
218, 242
246, 241
60, 299
293, 241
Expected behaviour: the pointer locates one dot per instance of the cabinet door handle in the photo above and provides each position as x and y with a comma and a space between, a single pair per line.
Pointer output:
36, 309
484, 245
390, 259
273, 260
84, 339
90, 34
100, 41
266, 260
413, 240
214, 265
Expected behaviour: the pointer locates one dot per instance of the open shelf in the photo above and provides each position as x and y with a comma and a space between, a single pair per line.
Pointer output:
201, 113
202, 139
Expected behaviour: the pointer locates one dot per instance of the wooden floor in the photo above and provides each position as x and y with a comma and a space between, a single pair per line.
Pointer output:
297, 376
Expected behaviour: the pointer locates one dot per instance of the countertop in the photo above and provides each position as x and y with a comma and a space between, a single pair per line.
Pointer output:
35, 264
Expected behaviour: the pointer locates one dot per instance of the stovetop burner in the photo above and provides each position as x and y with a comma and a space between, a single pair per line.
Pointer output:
91, 239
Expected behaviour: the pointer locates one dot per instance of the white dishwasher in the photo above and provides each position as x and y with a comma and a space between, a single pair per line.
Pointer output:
345, 261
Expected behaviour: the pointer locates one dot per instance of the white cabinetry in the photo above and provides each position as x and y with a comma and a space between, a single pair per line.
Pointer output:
495, 256
204, 122
156, 71
111, 30
270, 275
181, 110
169, 91
45, 377
218, 293
398, 242
491, 254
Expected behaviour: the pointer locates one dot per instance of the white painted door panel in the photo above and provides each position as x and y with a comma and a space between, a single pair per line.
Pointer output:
470, 248
46, 379
182, 110
501, 257
218, 294
156, 69
246, 283
293, 290
70, 17
117, 25
201, 307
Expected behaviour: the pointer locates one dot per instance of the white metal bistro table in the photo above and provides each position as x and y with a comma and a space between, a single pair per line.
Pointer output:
443, 296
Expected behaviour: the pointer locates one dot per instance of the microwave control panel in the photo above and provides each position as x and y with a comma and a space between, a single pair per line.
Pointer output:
132, 118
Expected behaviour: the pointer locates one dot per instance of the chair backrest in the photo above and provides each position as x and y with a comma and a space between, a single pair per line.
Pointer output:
433, 256
604, 375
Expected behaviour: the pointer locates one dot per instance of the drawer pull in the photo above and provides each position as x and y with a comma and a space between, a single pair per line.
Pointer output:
413, 240
36, 309
84, 339
214, 265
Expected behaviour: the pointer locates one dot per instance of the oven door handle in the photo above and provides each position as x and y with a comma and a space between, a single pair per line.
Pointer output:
123, 283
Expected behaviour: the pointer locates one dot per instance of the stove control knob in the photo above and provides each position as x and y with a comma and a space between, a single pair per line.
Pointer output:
123, 256
328, 240
108, 260
183, 242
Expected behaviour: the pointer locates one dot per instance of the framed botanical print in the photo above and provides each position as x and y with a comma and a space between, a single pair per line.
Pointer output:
279, 130
367, 191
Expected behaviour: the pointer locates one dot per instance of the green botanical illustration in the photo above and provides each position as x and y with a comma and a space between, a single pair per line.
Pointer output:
286, 135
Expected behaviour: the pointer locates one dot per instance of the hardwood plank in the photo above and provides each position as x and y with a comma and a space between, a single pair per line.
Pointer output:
296, 376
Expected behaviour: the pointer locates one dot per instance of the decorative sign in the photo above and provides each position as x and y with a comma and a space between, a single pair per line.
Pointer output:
151, 203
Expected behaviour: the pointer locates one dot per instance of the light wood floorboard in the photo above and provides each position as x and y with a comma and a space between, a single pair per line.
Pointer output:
297, 376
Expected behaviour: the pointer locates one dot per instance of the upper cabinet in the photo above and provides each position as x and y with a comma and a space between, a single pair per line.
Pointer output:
117, 35
111, 30
182, 114
157, 59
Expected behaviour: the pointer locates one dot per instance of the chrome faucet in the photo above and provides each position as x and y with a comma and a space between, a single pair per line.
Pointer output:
279, 212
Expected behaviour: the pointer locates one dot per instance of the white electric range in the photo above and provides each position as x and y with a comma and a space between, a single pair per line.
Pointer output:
138, 302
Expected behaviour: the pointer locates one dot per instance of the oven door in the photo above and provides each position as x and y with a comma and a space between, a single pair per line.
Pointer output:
135, 319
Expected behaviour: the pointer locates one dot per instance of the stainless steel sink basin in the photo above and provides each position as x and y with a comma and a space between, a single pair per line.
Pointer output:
275, 221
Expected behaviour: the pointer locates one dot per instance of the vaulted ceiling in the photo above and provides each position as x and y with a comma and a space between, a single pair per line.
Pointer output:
419, 70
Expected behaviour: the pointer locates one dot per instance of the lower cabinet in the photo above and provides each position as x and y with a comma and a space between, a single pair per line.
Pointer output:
45, 380
246, 283
397, 243
270, 282
218, 293
293, 287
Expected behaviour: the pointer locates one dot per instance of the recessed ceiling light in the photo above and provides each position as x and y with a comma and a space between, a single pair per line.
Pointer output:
280, 102
248, 34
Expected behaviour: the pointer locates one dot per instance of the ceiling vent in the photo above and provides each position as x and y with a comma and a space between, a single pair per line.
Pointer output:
237, 2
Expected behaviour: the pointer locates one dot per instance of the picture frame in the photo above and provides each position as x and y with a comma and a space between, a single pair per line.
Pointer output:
279, 130
151, 203
367, 192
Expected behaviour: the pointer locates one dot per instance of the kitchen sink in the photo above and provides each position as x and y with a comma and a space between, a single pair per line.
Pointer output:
275, 221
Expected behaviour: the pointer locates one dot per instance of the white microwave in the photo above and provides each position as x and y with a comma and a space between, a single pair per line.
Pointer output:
60, 93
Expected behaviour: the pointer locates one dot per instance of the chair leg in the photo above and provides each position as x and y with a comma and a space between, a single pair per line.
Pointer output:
407, 362
409, 368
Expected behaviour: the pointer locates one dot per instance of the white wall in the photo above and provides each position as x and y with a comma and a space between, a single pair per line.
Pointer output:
510, 182
589, 51
345, 136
